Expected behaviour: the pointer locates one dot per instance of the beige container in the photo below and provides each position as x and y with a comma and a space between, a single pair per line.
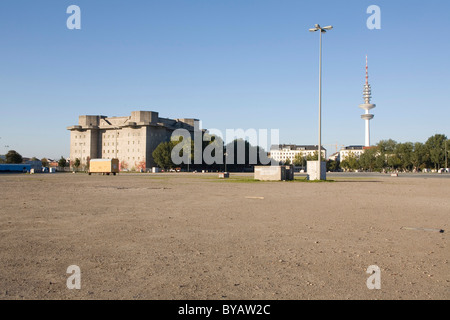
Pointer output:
104, 166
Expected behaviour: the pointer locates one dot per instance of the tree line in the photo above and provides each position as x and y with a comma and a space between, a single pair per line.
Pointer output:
389, 155
13, 157
162, 155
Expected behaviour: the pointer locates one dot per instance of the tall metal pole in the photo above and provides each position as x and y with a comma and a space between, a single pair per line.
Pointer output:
319, 147
320, 108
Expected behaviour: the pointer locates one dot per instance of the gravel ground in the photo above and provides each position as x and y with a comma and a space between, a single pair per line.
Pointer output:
193, 236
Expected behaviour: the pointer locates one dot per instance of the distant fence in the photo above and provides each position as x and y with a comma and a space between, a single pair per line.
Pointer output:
64, 169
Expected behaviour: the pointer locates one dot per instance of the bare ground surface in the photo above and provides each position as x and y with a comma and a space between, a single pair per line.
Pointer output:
193, 236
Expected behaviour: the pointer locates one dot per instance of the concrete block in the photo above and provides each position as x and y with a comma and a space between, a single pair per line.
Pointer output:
274, 173
224, 175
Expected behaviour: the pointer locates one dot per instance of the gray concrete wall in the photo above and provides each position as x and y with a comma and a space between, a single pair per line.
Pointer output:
144, 117
89, 121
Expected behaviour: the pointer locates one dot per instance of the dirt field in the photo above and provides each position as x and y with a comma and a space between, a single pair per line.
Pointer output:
193, 236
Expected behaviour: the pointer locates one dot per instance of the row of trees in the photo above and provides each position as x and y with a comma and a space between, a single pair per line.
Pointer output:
13, 157
251, 155
389, 155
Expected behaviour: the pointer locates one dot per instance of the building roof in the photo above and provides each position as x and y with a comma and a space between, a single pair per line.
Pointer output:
136, 119
353, 148
334, 155
295, 147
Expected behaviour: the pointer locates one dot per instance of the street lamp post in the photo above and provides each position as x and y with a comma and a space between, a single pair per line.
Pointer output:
319, 154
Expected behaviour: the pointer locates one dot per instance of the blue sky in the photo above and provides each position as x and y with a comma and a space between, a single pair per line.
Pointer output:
231, 63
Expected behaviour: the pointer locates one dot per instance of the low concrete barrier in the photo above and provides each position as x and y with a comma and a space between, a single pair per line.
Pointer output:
274, 173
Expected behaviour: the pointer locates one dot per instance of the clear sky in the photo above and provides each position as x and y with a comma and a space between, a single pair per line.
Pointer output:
231, 63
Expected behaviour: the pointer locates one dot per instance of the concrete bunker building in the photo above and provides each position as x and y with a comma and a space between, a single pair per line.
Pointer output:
131, 139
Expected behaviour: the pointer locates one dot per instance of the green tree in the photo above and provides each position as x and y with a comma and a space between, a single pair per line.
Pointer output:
13, 157
368, 160
252, 155
436, 149
77, 163
162, 155
287, 162
213, 149
351, 162
393, 161
447, 152
299, 160
387, 146
387, 153
419, 157
332, 165
313, 157
403, 152
44, 162
62, 162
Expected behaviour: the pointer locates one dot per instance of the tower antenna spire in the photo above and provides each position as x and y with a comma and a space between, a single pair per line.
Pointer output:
367, 72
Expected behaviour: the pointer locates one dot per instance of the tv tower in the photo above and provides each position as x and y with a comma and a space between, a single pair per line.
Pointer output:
367, 106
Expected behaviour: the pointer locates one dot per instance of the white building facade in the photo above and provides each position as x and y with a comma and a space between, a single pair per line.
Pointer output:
356, 151
284, 152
